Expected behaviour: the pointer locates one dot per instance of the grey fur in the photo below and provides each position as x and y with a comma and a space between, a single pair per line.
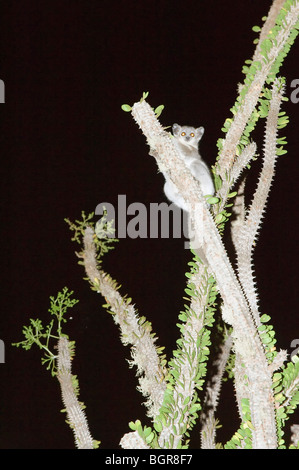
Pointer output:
186, 140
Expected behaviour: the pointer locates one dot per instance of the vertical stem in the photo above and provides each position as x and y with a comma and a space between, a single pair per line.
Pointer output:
75, 414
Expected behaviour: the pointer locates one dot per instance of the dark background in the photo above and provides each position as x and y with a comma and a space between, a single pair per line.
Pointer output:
66, 146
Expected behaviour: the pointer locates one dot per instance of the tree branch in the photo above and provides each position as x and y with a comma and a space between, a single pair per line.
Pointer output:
75, 413
134, 330
246, 340
247, 103
244, 242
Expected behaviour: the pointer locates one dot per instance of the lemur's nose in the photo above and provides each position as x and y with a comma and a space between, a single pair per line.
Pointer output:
187, 137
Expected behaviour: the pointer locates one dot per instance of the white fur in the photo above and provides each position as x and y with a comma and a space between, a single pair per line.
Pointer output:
186, 140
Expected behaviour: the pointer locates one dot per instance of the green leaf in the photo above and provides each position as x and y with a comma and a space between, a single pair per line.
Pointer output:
265, 318
219, 218
281, 151
126, 107
132, 425
158, 426
212, 200
262, 328
189, 292
186, 401
149, 438
159, 110
147, 431
265, 338
276, 376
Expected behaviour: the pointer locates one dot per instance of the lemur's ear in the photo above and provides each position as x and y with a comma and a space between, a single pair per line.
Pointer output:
200, 132
176, 129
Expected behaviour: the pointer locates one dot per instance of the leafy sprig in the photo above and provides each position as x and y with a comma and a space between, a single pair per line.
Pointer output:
127, 108
286, 395
43, 336
104, 231
242, 439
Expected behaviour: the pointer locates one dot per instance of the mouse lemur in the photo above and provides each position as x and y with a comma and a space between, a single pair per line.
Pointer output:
186, 141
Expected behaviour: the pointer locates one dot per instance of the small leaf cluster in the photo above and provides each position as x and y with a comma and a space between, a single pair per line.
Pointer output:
183, 418
222, 214
194, 353
79, 226
222, 209
148, 435
251, 124
158, 110
43, 336
104, 230
146, 327
271, 41
251, 68
283, 119
286, 394
267, 335
242, 439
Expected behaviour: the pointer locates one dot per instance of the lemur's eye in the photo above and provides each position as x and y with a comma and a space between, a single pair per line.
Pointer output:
183, 133
192, 135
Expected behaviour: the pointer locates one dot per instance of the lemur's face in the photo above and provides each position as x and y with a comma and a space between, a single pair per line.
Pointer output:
188, 135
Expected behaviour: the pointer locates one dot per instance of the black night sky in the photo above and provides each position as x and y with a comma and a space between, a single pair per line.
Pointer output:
66, 146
